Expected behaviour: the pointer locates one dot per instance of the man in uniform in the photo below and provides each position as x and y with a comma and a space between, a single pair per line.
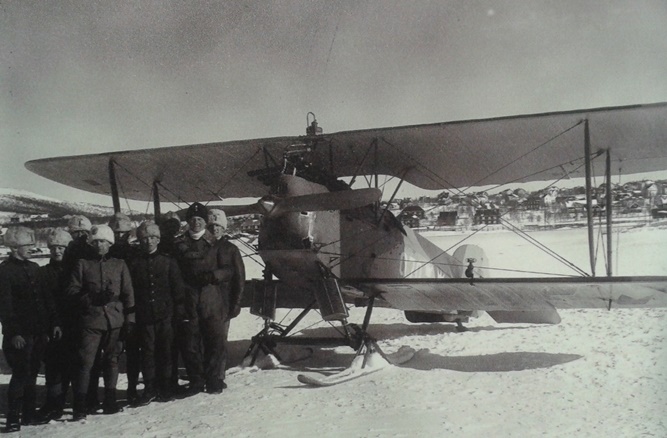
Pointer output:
28, 317
103, 287
122, 227
79, 228
59, 354
207, 306
158, 289
230, 255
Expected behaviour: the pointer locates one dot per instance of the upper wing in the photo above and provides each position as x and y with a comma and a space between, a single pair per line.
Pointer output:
523, 294
434, 156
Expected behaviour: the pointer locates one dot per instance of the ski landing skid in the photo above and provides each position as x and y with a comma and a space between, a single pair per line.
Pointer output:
368, 358
274, 334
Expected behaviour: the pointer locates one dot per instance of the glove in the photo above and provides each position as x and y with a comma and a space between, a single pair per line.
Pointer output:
127, 331
18, 342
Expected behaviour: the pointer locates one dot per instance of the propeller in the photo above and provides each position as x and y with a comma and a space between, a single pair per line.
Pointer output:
272, 205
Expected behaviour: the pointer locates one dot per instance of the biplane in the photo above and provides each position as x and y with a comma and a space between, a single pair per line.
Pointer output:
327, 242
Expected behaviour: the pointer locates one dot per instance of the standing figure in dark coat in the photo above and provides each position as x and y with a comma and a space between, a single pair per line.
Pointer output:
59, 354
103, 287
28, 316
158, 291
206, 304
228, 254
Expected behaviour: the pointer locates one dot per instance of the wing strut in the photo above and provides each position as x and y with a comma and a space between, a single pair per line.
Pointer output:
589, 201
114, 186
398, 186
156, 201
608, 207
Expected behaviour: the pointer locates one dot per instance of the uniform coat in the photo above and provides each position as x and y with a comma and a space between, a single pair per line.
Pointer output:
104, 289
158, 286
208, 275
25, 307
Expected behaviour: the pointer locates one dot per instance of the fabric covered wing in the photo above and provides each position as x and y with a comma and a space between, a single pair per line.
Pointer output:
529, 294
185, 173
434, 156
518, 148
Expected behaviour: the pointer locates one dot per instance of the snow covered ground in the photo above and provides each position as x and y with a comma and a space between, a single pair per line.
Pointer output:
598, 373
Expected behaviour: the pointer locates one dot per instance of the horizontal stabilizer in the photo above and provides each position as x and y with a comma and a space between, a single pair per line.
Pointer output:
546, 316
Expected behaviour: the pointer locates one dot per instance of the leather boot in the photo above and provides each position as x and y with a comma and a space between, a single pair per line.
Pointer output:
13, 422
149, 394
132, 395
29, 415
14, 407
92, 401
79, 409
110, 405
51, 410
165, 392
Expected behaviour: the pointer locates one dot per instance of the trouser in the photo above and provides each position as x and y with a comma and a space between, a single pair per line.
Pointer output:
133, 358
25, 364
209, 334
92, 399
106, 343
178, 351
225, 353
59, 364
156, 341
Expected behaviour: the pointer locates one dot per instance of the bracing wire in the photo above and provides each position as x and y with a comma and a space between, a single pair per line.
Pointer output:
469, 236
515, 159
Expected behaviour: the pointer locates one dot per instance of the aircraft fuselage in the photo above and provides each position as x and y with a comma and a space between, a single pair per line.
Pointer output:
359, 243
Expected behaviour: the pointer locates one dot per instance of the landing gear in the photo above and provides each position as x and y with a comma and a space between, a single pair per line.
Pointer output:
274, 334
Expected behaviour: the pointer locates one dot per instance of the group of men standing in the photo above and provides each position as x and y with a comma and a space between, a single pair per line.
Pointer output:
170, 295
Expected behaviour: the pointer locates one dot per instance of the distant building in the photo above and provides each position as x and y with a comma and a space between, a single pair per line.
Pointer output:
411, 215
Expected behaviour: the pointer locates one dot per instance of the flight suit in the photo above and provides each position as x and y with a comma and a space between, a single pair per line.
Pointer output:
228, 255
206, 308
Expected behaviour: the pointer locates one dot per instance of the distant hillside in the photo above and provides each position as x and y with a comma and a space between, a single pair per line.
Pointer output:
23, 203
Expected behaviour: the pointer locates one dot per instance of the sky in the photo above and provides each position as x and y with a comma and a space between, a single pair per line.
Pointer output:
90, 77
